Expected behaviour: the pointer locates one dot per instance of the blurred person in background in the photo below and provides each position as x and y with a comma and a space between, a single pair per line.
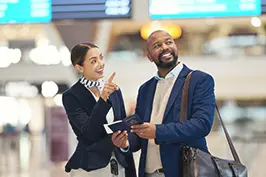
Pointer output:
90, 103
11, 134
9, 129
158, 104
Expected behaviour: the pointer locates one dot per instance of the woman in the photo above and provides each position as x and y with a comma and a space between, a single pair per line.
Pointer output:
90, 103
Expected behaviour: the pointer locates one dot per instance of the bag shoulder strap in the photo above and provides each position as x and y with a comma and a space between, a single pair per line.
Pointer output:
183, 116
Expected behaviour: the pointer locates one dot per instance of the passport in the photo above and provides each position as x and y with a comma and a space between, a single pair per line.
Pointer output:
123, 125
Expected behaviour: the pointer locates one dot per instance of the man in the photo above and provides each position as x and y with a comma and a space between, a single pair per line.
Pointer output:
158, 104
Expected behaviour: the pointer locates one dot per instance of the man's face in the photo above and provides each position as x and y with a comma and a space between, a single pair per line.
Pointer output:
162, 50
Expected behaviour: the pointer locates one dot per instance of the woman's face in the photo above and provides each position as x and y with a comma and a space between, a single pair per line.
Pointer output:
93, 66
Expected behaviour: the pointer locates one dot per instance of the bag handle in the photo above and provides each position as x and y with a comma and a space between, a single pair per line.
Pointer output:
183, 116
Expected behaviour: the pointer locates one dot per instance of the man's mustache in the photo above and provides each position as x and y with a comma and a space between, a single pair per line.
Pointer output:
161, 54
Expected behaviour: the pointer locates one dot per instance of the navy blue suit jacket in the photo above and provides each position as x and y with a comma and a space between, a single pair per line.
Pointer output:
86, 117
171, 133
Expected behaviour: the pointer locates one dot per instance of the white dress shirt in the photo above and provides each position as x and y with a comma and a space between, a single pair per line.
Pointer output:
173, 73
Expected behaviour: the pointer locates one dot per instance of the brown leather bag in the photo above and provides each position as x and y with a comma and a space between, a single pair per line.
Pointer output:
197, 163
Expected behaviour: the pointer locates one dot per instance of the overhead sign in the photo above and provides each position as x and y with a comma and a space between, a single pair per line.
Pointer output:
263, 6
90, 9
25, 11
170, 9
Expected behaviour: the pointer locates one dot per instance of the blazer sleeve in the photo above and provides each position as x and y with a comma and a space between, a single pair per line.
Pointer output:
123, 110
134, 140
132, 137
89, 126
199, 124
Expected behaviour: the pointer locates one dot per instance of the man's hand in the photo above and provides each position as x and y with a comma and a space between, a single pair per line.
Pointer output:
120, 139
145, 130
109, 88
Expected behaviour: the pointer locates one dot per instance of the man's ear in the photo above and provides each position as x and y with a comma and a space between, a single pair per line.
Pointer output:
79, 68
149, 56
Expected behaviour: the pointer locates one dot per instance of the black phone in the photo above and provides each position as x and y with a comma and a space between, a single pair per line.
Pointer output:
114, 166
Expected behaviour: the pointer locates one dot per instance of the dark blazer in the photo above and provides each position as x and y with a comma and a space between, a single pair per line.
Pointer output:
169, 134
86, 117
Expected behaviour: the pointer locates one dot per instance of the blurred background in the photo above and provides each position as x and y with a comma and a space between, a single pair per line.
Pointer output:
226, 38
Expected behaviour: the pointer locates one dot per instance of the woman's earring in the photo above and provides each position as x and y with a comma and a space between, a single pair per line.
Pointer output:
81, 69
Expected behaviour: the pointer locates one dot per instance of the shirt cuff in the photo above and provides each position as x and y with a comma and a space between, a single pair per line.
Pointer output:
125, 150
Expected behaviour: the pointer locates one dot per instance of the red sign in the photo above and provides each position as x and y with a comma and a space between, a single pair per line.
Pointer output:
57, 126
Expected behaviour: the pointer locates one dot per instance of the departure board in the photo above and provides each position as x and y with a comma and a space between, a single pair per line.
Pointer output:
263, 6
25, 11
90, 9
171, 9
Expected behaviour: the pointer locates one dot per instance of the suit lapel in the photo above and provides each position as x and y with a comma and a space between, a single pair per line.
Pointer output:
149, 101
177, 88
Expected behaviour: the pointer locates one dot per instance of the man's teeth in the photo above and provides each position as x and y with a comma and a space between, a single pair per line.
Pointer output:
167, 55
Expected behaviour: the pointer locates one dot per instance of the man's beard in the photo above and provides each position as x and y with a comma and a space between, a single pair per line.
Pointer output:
167, 65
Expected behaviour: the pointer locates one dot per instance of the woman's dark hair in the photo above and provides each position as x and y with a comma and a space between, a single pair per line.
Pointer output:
79, 52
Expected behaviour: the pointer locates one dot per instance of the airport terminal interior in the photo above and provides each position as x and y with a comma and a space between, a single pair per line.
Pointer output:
226, 39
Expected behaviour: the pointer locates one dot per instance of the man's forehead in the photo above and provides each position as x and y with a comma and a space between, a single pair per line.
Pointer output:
158, 36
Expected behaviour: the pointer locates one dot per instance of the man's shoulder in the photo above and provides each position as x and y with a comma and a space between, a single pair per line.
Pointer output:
201, 75
146, 84
202, 78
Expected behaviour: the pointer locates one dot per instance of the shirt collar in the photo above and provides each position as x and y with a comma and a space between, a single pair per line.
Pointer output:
173, 73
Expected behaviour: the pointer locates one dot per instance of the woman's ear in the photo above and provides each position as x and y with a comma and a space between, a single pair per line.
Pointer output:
79, 68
